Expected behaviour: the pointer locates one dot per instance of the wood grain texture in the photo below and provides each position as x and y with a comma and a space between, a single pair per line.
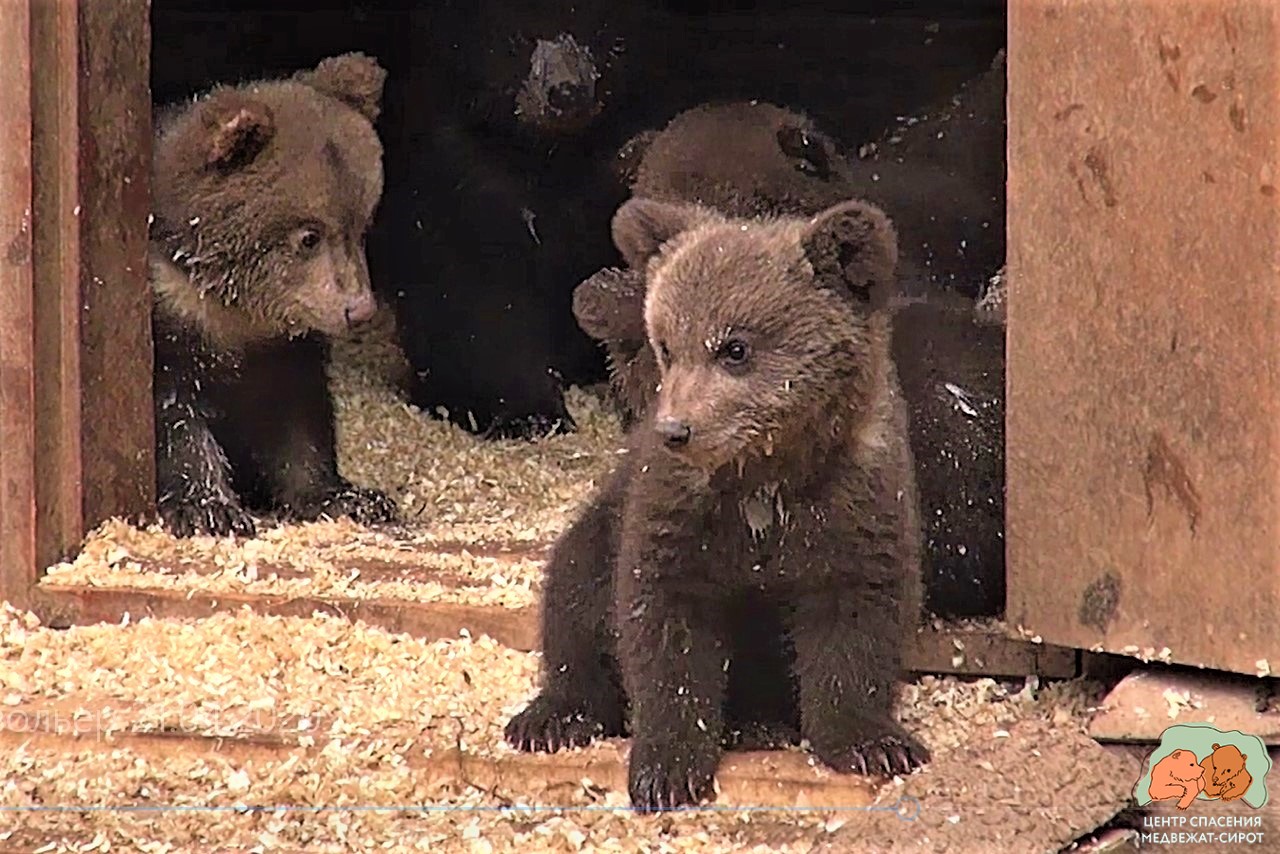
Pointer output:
932, 650
1143, 334
17, 311
75, 405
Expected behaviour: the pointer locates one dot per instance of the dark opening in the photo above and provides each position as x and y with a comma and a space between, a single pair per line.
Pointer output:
490, 217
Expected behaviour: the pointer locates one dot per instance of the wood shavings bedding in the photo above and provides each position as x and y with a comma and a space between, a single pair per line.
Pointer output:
354, 711
471, 825
516, 487
338, 559
478, 515
319, 677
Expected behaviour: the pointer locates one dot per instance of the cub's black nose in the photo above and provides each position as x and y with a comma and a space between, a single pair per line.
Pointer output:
674, 433
567, 97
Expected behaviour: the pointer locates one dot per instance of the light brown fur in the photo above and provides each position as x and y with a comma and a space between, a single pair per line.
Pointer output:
242, 174
262, 194
743, 159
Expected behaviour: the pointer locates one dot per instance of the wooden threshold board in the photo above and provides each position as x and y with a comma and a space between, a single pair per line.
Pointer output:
788, 779
945, 650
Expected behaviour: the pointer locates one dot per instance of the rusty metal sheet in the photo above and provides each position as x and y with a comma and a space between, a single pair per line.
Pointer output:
1144, 400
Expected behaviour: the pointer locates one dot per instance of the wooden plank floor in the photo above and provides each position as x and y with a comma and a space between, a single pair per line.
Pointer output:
784, 778
781, 778
982, 651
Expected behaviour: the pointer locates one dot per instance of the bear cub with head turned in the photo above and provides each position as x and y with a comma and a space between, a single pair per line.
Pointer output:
749, 566
262, 194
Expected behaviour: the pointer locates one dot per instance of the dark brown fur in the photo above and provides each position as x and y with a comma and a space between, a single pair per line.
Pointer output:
951, 365
740, 159
751, 564
747, 159
262, 194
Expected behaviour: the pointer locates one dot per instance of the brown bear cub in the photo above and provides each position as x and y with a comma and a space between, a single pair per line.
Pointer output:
748, 159
741, 159
262, 194
749, 567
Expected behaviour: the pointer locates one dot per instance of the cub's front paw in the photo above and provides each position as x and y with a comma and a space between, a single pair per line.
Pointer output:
547, 725
215, 516
885, 749
668, 775
531, 427
365, 506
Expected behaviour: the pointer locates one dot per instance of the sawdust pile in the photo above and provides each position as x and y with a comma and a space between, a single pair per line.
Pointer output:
328, 713
457, 495
404, 735
445, 478
335, 560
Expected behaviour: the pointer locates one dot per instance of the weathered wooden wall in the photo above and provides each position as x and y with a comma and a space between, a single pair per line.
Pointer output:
1144, 336
17, 357
75, 409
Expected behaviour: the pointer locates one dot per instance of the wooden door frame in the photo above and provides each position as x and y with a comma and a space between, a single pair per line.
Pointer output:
75, 334
76, 417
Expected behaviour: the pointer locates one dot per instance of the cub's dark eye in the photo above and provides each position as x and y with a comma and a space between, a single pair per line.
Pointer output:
307, 239
734, 353
664, 352
808, 151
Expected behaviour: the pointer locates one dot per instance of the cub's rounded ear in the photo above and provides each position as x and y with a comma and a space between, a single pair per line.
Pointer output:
355, 79
641, 226
234, 128
627, 164
853, 248
609, 306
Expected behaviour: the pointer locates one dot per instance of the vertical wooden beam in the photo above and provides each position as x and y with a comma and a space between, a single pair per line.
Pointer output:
55, 157
17, 357
117, 439
75, 336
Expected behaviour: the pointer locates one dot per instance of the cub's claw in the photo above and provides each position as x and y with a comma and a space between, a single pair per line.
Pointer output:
365, 506
887, 754
546, 726
218, 517
667, 778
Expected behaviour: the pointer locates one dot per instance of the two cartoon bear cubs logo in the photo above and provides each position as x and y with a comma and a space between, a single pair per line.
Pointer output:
1201, 762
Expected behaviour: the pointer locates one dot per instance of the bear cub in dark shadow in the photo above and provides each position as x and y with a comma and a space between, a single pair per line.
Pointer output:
742, 159
750, 565
262, 194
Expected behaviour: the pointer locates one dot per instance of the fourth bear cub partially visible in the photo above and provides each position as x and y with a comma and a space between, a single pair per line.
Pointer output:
262, 194
749, 566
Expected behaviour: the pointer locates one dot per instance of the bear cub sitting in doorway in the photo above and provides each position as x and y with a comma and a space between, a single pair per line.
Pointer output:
262, 194
750, 565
